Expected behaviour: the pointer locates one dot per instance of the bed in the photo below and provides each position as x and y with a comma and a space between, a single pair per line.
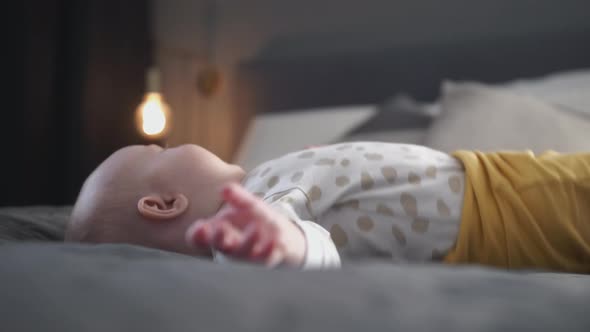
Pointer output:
392, 94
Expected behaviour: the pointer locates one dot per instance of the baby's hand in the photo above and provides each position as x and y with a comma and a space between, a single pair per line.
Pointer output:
248, 229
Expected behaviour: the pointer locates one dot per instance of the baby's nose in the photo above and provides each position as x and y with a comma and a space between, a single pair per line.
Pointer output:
155, 147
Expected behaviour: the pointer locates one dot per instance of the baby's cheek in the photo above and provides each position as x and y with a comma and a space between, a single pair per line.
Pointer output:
164, 237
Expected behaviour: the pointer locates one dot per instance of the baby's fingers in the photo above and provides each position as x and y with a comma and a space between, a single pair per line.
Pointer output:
199, 235
225, 237
257, 244
265, 251
237, 196
251, 238
242, 200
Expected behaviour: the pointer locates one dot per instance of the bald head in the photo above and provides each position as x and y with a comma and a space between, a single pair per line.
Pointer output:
149, 196
107, 198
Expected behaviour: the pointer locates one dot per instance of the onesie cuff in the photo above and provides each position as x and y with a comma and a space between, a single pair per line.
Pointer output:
320, 251
318, 254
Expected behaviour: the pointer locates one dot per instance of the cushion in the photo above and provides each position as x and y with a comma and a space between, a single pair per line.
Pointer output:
475, 116
569, 89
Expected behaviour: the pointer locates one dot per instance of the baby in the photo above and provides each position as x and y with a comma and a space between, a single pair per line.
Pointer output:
312, 208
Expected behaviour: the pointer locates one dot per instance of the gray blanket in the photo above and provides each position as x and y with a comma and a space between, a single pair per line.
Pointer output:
123, 288
64, 287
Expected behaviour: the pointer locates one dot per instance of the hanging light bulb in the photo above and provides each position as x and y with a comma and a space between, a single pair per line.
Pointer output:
153, 114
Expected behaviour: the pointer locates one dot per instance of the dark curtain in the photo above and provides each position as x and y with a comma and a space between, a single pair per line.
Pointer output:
79, 72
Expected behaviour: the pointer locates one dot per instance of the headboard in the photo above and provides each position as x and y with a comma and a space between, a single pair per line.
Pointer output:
274, 84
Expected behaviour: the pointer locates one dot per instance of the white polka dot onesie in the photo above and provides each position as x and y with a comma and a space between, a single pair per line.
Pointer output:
366, 200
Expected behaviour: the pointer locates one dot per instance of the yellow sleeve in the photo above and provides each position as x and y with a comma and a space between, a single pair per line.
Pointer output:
523, 211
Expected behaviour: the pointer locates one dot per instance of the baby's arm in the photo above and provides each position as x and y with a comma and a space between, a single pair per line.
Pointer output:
248, 229
320, 249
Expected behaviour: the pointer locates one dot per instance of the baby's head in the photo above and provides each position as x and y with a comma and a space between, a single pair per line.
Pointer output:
150, 196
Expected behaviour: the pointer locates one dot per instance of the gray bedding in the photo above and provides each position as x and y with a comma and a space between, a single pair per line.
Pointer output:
49, 286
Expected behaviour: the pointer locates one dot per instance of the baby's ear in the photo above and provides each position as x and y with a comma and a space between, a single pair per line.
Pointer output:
158, 207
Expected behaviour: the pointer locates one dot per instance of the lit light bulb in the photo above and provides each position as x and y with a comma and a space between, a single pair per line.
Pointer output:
153, 114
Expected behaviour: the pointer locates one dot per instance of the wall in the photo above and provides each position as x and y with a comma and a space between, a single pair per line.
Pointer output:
75, 81
243, 27
192, 34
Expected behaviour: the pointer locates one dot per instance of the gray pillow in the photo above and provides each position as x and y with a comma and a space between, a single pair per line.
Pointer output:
400, 119
474, 116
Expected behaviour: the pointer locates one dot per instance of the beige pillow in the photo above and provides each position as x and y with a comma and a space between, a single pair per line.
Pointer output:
474, 116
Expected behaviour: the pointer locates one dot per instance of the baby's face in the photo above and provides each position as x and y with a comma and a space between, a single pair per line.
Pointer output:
189, 169
133, 173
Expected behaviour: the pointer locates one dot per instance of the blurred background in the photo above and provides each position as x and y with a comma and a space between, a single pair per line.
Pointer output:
252, 79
